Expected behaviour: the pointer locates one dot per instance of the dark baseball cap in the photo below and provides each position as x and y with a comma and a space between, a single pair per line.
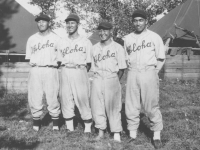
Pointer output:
42, 17
104, 25
72, 17
139, 13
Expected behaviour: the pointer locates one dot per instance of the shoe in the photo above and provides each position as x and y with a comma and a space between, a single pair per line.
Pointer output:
157, 144
36, 128
98, 138
68, 130
2, 128
130, 140
55, 128
118, 141
87, 134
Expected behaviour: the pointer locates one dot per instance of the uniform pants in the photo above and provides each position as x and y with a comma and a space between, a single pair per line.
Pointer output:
143, 87
106, 102
74, 90
43, 80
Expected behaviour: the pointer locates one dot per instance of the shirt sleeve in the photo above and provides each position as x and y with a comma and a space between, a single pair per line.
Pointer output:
159, 47
88, 51
121, 57
28, 49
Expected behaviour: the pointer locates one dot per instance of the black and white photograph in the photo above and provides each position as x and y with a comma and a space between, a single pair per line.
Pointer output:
100, 74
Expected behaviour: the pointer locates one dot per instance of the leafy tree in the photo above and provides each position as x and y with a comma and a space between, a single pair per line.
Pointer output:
7, 9
116, 11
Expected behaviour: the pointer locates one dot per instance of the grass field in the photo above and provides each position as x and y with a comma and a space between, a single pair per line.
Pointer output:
180, 106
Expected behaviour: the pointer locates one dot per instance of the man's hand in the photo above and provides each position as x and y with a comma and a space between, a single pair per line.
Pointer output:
88, 66
59, 64
120, 73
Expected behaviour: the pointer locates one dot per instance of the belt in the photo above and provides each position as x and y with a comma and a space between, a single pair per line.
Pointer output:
97, 75
74, 66
146, 68
47, 66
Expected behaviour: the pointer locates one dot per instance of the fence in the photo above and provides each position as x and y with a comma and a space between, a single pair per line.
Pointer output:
14, 76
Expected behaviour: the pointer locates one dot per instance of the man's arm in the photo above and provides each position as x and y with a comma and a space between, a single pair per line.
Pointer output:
120, 73
160, 63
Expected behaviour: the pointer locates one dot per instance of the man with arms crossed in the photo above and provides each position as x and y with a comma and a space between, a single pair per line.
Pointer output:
74, 55
146, 55
43, 76
108, 64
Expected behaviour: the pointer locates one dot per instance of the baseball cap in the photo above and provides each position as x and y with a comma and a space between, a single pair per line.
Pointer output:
105, 25
139, 13
42, 17
72, 17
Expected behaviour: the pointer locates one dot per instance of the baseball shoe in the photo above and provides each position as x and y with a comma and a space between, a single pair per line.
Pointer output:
2, 128
98, 138
36, 128
87, 135
55, 128
130, 140
157, 144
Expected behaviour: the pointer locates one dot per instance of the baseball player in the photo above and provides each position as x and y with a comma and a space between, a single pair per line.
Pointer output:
146, 55
108, 64
43, 76
74, 55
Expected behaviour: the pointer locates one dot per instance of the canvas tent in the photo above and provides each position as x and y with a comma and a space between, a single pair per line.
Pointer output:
17, 24
183, 22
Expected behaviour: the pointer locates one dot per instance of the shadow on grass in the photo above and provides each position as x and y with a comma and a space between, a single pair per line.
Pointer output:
13, 143
11, 105
144, 126
46, 120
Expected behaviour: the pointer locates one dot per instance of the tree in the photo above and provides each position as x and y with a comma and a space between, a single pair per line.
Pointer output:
116, 11
7, 9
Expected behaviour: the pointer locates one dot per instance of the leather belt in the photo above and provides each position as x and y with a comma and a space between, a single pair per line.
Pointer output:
74, 66
47, 66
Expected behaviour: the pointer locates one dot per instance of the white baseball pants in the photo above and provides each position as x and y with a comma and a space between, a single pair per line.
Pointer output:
143, 87
106, 102
43, 80
74, 90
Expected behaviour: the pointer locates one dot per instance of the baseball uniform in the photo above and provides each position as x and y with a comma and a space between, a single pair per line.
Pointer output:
106, 88
142, 81
74, 81
43, 76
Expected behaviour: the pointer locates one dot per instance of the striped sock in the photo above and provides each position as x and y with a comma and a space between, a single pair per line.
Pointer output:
36, 123
55, 123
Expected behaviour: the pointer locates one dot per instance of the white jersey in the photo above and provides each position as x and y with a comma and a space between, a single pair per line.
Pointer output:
144, 49
41, 50
74, 52
109, 59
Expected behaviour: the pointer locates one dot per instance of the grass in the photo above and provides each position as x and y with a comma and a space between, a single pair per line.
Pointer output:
180, 107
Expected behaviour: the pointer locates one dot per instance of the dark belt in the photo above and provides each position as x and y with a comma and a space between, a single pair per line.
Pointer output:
74, 66
47, 66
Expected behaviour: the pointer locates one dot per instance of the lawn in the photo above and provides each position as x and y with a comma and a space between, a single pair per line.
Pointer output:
180, 106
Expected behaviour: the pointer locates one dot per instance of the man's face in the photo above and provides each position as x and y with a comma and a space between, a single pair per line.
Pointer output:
72, 27
104, 34
43, 25
139, 24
